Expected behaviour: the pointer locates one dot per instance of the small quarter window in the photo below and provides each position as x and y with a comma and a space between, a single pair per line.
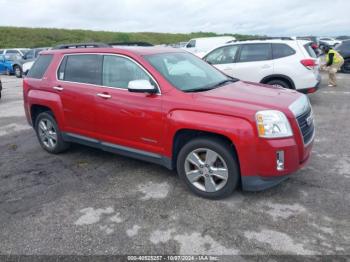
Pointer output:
281, 50
40, 66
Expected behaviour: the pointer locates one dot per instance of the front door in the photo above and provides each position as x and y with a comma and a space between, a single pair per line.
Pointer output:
128, 119
223, 59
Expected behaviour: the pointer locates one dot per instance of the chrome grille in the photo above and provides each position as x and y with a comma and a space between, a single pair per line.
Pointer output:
306, 124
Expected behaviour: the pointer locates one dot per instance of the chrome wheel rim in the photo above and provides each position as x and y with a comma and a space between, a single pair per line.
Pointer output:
206, 170
47, 133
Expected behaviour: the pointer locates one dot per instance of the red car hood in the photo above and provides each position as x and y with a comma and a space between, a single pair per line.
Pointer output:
252, 95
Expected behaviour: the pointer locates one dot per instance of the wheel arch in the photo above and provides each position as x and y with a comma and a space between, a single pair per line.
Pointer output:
266, 79
183, 136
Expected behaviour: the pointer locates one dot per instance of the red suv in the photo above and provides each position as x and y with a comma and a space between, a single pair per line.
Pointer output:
169, 107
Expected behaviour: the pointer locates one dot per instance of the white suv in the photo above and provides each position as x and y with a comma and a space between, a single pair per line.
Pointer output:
288, 63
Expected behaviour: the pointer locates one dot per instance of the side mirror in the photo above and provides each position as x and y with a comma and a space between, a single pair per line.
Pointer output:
141, 86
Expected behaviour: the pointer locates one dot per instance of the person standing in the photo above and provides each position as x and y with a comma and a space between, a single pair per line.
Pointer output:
334, 62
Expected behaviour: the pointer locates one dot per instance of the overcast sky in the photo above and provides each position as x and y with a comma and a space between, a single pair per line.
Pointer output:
264, 17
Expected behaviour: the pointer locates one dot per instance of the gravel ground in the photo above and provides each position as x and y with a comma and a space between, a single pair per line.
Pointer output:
90, 202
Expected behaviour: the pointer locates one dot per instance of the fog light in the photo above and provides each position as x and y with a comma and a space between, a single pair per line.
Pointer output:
280, 160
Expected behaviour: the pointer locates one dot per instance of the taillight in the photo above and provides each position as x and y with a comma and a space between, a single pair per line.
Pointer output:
309, 63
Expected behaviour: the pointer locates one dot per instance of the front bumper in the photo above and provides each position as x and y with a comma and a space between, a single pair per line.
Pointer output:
265, 173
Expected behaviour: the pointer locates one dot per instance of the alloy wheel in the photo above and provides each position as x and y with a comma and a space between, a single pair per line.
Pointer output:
206, 170
47, 133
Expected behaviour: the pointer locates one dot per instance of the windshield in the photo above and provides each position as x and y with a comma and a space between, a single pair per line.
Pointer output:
187, 72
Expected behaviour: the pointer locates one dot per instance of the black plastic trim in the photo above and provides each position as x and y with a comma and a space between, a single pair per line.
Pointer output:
256, 183
271, 77
118, 149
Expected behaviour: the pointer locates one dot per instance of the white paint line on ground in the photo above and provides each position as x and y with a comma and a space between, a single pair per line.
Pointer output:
278, 241
92, 216
154, 190
133, 231
13, 128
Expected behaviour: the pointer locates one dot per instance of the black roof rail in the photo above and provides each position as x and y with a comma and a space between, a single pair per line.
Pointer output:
81, 45
263, 38
130, 44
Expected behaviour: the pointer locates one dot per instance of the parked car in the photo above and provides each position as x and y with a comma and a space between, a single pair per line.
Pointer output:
5, 65
29, 57
11, 64
344, 51
14, 51
291, 64
330, 41
27, 66
216, 131
199, 46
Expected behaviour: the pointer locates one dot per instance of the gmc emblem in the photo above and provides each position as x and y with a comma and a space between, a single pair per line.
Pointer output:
310, 120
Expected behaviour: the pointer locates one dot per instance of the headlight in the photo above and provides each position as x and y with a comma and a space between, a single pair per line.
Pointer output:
273, 124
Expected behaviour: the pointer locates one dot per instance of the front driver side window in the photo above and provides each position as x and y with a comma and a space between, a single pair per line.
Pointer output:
223, 55
119, 71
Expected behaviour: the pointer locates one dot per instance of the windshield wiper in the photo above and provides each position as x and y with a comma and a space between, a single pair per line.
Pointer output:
225, 82
207, 88
198, 89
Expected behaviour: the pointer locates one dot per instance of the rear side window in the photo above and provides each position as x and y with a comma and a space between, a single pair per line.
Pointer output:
40, 66
255, 52
281, 50
81, 69
310, 50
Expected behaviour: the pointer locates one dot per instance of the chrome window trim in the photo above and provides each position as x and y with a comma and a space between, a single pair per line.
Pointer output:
110, 87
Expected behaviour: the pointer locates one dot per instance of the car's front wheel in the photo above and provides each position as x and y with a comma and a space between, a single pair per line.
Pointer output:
49, 135
279, 83
346, 67
209, 167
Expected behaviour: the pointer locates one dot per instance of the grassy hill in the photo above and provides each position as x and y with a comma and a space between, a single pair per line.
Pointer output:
39, 37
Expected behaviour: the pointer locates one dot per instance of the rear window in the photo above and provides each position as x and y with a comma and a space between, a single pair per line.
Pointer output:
40, 66
255, 52
281, 50
310, 50
81, 69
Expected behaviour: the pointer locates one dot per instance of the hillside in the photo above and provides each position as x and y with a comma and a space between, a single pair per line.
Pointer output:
40, 37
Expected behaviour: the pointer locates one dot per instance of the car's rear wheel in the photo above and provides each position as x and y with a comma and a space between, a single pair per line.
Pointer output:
49, 135
346, 67
279, 83
18, 71
208, 167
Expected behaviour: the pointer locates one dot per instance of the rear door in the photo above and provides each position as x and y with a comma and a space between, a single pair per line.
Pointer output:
254, 62
224, 59
77, 83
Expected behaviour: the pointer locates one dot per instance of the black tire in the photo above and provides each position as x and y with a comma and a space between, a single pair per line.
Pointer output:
279, 82
60, 145
18, 71
346, 67
225, 152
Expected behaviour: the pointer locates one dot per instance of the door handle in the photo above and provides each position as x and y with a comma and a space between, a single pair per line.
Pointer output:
104, 96
58, 88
